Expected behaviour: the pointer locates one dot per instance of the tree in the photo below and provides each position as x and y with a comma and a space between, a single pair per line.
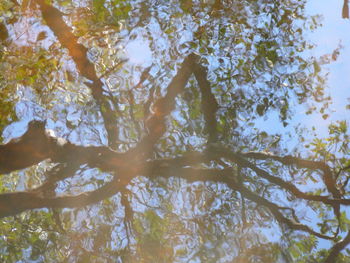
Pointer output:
165, 160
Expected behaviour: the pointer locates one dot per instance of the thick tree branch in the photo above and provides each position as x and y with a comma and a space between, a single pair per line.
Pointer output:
14, 203
31, 148
37, 145
209, 103
155, 123
78, 52
337, 248
345, 10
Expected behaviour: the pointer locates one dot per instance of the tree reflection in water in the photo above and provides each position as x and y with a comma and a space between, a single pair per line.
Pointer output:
144, 139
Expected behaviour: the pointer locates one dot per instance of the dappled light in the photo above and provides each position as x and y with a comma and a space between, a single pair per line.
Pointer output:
170, 131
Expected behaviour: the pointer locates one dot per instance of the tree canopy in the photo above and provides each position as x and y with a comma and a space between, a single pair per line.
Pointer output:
136, 131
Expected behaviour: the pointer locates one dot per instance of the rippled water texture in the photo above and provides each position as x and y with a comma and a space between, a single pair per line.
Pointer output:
173, 131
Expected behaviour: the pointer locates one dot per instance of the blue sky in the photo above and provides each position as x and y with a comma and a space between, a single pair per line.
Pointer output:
334, 30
